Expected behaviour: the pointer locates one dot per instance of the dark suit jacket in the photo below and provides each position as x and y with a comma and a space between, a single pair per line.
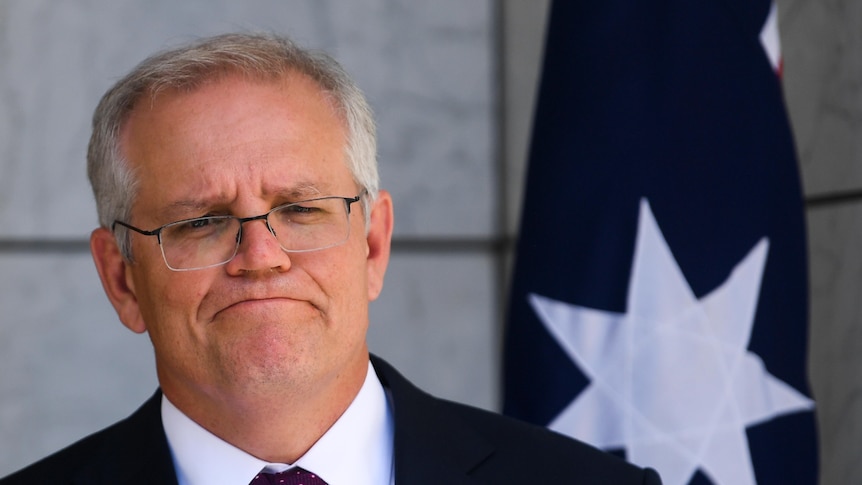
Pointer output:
436, 442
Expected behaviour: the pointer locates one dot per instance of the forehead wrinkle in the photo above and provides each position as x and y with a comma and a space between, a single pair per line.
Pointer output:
199, 205
300, 191
187, 208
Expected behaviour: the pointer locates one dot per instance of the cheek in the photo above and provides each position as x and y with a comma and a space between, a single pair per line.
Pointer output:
169, 301
342, 277
354, 306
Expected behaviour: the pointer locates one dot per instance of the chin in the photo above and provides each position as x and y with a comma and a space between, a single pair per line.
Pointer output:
268, 374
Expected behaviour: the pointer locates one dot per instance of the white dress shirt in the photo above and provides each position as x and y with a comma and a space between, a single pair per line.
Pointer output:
356, 450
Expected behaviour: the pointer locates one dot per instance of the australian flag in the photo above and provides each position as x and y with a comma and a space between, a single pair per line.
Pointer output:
659, 298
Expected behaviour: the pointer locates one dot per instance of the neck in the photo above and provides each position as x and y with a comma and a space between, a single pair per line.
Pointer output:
277, 425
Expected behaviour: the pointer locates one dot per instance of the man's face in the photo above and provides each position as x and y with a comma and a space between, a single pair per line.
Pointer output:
268, 321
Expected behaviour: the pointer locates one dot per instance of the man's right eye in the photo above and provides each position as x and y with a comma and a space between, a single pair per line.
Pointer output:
199, 223
201, 226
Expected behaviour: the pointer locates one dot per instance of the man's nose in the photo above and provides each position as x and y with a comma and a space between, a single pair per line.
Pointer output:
258, 250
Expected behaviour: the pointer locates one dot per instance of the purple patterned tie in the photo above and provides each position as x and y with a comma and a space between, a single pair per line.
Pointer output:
294, 476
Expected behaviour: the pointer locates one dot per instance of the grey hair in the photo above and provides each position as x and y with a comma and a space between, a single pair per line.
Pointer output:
185, 68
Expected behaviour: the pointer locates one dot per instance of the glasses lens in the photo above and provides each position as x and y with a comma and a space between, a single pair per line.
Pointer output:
200, 243
311, 225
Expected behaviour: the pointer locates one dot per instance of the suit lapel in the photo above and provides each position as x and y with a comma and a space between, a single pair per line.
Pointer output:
432, 445
136, 452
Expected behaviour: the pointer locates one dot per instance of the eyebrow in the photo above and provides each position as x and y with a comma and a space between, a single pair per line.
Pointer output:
190, 208
184, 209
305, 190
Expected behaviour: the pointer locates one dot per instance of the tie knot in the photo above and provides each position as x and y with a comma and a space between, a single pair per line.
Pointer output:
294, 476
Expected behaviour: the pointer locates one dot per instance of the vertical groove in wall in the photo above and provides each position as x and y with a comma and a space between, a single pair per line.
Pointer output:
503, 204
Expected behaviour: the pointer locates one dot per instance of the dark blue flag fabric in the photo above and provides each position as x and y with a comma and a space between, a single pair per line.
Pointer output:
659, 298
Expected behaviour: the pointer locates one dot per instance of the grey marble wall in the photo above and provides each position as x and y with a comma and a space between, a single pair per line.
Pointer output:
822, 42
67, 367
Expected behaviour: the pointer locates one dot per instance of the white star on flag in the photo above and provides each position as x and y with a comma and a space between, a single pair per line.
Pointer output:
671, 380
770, 39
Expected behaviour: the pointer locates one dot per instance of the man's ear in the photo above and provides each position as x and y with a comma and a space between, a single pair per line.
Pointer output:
118, 285
379, 240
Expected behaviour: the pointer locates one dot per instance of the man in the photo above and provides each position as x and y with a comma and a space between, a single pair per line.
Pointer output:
242, 228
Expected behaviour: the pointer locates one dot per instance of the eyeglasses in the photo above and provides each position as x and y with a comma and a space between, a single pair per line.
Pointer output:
204, 242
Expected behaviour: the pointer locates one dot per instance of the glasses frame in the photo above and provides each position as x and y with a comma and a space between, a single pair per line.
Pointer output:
348, 201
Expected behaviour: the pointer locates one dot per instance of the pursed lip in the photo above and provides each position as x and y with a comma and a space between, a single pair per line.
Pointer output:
256, 301
227, 298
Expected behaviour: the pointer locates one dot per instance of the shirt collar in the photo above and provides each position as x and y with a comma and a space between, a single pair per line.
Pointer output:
356, 450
